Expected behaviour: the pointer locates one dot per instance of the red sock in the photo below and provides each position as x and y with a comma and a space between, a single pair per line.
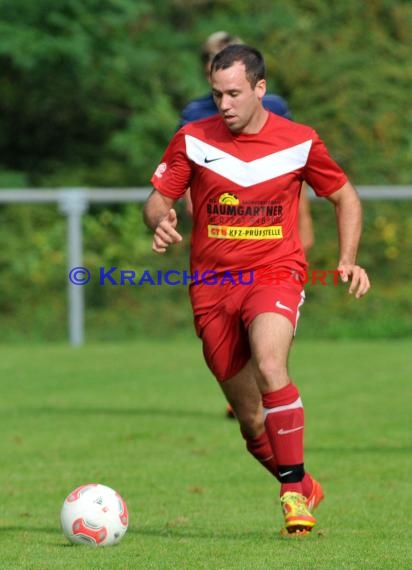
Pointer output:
284, 424
261, 450
307, 485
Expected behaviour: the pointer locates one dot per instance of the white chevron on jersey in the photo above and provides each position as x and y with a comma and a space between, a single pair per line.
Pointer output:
247, 173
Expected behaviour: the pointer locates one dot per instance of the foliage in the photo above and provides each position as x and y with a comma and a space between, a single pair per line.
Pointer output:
385, 310
90, 94
90, 91
34, 273
351, 84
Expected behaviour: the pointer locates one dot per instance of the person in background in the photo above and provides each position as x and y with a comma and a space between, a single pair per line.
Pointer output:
205, 106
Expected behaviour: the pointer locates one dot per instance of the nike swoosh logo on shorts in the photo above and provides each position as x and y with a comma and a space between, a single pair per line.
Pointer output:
286, 431
279, 305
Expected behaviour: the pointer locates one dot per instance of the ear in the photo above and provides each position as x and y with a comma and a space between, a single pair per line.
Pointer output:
260, 88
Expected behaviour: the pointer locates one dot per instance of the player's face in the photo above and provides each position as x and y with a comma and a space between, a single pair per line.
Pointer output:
239, 104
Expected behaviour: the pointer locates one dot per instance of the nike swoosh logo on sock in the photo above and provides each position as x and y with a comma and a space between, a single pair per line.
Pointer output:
285, 473
286, 431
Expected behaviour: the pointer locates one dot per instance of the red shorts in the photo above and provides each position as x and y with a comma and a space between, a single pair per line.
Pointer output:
223, 314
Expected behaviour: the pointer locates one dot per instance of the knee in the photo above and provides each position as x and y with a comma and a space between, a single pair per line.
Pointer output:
251, 425
273, 374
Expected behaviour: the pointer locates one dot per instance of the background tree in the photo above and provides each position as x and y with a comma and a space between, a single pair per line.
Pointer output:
90, 93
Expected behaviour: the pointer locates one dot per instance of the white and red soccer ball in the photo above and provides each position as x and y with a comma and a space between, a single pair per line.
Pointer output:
94, 514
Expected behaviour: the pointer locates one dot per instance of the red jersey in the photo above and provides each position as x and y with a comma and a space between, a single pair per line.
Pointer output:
245, 190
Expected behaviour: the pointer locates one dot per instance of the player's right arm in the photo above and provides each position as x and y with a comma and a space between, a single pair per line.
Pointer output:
170, 181
160, 216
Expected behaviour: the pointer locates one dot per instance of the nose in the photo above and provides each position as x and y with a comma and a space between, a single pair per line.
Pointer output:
225, 102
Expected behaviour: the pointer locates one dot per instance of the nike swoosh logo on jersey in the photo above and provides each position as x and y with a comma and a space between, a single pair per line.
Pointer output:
279, 305
286, 431
208, 160
248, 173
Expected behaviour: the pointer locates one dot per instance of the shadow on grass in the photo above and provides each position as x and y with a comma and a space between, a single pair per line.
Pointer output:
28, 528
381, 449
215, 416
150, 412
168, 533
268, 535
181, 533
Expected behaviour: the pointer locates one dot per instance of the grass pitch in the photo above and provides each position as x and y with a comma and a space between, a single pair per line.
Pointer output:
148, 420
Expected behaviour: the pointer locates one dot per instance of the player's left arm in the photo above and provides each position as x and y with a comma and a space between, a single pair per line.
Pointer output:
349, 221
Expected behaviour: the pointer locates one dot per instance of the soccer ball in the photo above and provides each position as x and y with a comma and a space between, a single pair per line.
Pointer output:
94, 514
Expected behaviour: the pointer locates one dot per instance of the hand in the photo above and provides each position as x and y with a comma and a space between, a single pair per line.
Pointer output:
358, 276
165, 233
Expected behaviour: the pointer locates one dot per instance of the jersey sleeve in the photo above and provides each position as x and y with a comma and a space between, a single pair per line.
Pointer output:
172, 176
321, 172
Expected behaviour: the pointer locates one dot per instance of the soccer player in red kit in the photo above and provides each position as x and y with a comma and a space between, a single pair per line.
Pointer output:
245, 168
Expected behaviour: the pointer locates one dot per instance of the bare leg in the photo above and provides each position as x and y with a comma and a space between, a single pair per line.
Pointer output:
243, 394
270, 337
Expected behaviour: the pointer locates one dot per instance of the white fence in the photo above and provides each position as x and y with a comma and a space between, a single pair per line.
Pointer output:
73, 202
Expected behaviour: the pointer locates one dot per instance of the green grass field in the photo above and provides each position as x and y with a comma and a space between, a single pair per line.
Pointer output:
148, 420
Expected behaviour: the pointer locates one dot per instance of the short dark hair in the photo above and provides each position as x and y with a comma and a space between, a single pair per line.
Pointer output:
215, 43
249, 56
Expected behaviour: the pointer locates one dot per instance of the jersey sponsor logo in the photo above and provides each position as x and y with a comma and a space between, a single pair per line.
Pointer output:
244, 232
160, 170
229, 198
228, 207
248, 173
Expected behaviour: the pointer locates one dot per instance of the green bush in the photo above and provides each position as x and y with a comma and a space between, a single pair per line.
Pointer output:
95, 98
34, 271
